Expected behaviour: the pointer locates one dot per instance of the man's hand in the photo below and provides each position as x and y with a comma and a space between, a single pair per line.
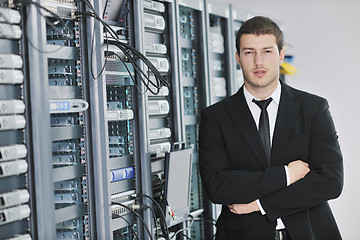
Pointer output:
297, 170
244, 208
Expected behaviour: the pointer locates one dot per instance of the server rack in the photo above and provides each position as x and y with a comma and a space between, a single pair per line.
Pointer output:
193, 92
15, 157
156, 39
218, 47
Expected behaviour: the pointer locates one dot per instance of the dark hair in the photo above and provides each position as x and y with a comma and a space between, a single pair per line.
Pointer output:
259, 26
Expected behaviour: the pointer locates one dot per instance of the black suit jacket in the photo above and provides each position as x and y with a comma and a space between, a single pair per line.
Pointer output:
234, 169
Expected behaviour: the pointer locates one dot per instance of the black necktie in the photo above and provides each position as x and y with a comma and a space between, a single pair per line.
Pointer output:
264, 128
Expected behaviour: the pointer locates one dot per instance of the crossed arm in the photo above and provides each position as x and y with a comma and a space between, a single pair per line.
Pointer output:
297, 170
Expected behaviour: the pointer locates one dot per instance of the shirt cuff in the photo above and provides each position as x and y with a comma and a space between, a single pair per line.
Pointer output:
260, 207
287, 175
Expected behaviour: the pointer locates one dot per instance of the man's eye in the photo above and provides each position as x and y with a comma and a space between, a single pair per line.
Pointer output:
248, 53
268, 51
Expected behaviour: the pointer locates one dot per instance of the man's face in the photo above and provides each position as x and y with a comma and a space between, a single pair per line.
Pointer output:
260, 60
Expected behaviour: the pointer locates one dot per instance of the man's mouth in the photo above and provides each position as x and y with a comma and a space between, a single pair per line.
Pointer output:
259, 73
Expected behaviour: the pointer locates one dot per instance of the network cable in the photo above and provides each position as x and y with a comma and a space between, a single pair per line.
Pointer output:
166, 229
160, 80
138, 216
186, 228
134, 232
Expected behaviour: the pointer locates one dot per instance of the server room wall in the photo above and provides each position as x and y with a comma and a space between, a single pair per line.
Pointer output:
93, 95
324, 37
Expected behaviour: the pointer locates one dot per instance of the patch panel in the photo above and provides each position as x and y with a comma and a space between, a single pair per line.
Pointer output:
123, 196
64, 120
119, 97
62, 36
120, 210
187, 23
58, 80
116, 140
68, 185
70, 224
62, 67
65, 160
69, 234
66, 146
188, 62
63, 11
67, 197
191, 105
117, 151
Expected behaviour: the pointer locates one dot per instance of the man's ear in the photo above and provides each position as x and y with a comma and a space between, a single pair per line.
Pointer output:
282, 56
238, 58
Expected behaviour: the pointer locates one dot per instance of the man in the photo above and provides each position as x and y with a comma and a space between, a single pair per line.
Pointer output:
269, 154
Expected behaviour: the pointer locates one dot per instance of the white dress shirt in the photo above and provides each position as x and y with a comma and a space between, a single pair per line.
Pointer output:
272, 110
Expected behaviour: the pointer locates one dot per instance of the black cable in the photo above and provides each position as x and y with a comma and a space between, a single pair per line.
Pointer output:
167, 233
24, 3
123, 218
154, 218
138, 216
159, 78
128, 70
184, 235
57, 17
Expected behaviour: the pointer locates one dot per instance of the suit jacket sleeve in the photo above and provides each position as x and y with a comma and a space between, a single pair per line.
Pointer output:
325, 179
224, 184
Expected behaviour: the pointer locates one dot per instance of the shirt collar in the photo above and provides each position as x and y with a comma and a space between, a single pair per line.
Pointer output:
275, 95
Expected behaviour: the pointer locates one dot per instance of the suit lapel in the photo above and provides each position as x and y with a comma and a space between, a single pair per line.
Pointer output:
287, 113
239, 112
